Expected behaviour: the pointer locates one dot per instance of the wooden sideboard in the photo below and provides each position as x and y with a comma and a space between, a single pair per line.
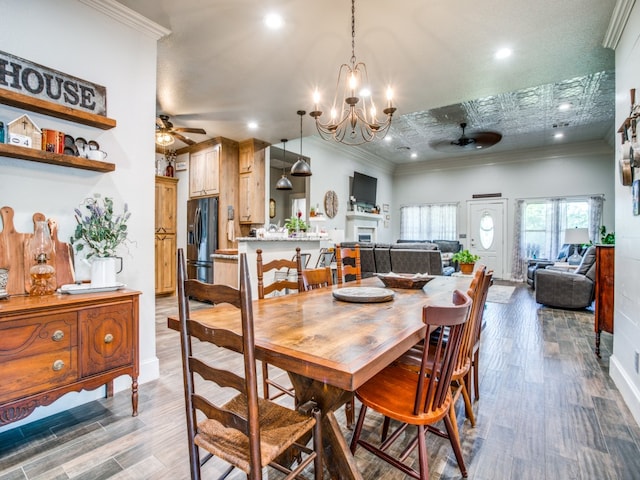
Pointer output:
605, 263
59, 343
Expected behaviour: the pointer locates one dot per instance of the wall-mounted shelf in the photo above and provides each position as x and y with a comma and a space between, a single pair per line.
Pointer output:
45, 107
34, 155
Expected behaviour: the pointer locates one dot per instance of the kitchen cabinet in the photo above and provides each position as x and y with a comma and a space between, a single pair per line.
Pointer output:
251, 183
605, 263
56, 344
45, 107
204, 172
165, 234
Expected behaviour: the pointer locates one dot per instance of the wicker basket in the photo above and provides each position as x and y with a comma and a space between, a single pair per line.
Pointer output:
406, 280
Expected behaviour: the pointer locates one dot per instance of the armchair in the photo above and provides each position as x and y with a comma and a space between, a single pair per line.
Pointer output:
535, 263
568, 289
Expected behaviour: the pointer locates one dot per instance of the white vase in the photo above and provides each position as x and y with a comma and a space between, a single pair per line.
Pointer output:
103, 271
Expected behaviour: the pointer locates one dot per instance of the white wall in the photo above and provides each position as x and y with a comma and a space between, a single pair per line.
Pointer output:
565, 170
70, 36
626, 338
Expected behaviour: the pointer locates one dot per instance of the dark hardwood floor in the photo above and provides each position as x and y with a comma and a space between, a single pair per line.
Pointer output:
548, 410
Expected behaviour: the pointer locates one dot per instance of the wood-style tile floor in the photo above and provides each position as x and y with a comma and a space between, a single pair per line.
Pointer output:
548, 410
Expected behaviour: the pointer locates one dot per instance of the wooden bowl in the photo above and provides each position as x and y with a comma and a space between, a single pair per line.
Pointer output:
404, 280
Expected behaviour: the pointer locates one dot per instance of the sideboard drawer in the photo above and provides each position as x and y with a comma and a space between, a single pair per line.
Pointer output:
107, 336
37, 334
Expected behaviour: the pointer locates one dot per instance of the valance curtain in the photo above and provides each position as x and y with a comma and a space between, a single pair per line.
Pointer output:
429, 222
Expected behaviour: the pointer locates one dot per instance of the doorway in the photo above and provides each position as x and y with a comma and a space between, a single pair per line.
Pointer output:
487, 231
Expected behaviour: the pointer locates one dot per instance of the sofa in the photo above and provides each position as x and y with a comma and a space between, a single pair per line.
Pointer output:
447, 249
399, 258
564, 289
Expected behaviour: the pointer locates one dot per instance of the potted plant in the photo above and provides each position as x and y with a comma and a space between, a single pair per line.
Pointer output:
101, 232
607, 238
466, 260
296, 224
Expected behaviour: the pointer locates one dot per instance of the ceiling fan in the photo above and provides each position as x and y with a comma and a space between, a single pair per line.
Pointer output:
166, 132
472, 141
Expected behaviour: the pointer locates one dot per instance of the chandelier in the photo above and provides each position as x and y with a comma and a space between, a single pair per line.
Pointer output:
164, 138
355, 121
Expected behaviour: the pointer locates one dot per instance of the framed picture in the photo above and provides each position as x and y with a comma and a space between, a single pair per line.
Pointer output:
635, 193
272, 208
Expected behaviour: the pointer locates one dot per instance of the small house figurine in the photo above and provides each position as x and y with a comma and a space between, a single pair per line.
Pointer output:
24, 132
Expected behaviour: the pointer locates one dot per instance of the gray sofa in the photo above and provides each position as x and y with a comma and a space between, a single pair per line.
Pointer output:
399, 258
568, 289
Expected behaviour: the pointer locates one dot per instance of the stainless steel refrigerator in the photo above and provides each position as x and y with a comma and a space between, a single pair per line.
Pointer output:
202, 237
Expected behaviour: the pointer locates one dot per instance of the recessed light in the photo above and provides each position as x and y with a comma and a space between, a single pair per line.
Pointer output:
503, 53
388, 138
414, 155
273, 21
252, 125
564, 107
558, 135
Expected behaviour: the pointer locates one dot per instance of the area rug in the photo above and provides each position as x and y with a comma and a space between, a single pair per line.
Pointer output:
500, 293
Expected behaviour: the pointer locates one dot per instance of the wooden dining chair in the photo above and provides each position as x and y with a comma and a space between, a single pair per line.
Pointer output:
247, 432
313, 278
473, 375
282, 284
418, 399
348, 263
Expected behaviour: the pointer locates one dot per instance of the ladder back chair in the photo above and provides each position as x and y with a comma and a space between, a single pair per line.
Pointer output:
348, 263
475, 350
247, 432
283, 285
420, 399
313, 278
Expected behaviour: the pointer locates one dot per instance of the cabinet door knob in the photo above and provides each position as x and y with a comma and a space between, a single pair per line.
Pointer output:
57, 335
58, 365
108, 338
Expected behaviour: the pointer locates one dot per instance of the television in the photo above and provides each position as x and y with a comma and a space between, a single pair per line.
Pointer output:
364, 188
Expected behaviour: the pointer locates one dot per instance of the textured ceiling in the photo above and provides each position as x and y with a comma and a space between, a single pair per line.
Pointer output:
220, 68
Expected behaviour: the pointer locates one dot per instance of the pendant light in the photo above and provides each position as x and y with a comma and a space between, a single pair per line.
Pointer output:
301, 168
284, 183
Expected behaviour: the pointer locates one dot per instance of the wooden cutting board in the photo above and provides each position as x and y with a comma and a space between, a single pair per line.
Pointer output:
65, 273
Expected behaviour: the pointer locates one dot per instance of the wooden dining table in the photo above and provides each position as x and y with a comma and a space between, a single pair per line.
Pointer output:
331, 347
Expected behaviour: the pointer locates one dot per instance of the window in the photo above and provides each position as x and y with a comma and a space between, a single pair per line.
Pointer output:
429, 222
545, 222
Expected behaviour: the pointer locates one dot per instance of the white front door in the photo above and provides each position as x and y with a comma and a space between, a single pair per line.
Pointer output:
486, 231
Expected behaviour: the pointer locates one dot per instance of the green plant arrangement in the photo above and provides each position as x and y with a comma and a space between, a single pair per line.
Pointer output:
465, 256
294, 224
99, 229
607, 238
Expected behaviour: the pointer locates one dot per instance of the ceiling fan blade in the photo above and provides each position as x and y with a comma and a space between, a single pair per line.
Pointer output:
486, 139
190, 130
447, 146
183, 139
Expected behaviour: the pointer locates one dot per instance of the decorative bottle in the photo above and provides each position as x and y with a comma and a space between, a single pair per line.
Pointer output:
168, 172
41, 271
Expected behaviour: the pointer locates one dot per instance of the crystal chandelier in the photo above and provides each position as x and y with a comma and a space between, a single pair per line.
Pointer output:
355, 121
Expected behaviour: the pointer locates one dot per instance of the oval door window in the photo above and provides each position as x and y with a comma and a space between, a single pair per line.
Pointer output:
487, 230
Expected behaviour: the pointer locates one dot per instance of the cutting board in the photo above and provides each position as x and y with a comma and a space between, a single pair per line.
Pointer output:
13, 254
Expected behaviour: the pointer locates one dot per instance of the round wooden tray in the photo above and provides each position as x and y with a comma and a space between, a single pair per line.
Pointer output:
408, 280
364, 294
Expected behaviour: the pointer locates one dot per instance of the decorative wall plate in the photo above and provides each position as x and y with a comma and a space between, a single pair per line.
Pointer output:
331, 203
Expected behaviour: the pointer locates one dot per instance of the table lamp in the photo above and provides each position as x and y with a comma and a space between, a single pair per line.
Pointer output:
576, 236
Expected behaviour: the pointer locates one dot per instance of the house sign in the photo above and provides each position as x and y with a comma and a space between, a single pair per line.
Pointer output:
28, 78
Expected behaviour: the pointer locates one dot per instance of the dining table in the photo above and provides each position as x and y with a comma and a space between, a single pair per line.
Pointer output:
330, 347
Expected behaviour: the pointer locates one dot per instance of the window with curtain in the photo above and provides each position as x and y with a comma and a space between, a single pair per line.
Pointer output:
429, 222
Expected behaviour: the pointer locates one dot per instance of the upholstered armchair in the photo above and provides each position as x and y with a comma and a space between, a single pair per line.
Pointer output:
568, 289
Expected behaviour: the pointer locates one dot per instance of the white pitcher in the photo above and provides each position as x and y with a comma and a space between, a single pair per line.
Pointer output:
103, 271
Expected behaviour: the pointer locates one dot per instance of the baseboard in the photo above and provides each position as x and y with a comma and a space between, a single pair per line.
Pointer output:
628, 390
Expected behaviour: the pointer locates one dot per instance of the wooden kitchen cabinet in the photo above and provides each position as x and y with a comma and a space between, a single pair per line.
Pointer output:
605, 270
56, 344
165, 234
204, 172
251, 200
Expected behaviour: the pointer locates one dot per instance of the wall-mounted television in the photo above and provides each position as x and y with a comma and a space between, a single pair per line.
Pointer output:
364, 188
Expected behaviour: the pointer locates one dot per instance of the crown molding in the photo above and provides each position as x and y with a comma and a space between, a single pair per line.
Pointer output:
581, 149
353, 153
128, 17
618, 20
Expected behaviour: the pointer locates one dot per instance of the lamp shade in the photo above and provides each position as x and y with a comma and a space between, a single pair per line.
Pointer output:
576, 236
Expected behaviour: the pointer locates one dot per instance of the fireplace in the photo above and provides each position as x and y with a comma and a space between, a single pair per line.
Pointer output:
362, 227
